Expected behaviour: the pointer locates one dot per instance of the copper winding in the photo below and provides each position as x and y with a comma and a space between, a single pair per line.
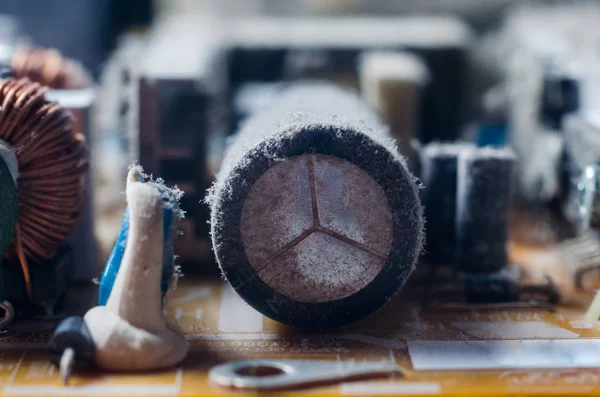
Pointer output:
52, 162
49, 68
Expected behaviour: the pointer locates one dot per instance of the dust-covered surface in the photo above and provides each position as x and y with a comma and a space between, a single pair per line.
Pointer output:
482, 207
439, 162
315, 118
305, 104
324, 242
171, 197
129, 332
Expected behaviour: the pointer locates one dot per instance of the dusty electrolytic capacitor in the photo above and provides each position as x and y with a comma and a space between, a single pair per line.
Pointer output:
483, 196
484, 178
439, 165
316, 220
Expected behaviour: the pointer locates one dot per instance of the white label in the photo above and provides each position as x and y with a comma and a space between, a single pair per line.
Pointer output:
514, 330
504, 354
390, 389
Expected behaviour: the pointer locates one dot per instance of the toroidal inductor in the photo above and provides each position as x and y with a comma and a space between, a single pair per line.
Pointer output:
316, 220
73, 89
48, 164
49, 68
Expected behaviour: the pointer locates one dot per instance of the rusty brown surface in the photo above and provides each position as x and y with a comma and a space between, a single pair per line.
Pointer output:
316, 228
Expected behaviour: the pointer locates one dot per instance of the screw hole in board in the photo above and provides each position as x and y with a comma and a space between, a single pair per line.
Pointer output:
260, 371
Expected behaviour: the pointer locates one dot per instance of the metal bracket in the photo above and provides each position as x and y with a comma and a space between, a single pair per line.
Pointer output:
282, 374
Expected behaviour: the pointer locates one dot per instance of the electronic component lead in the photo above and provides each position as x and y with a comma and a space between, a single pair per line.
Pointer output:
71, 347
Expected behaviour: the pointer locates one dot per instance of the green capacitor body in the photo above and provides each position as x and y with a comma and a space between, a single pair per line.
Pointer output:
8, 213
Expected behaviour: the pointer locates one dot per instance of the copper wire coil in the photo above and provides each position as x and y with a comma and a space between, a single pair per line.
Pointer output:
52, 161
49, 68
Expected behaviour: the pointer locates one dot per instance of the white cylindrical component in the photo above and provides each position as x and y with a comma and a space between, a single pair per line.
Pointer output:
392, 82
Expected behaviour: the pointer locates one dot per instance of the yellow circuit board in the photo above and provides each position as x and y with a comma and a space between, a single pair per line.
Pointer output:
483, 352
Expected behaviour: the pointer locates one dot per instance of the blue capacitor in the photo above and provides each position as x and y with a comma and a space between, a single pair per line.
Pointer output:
170, 203
114, 262
116, 256
492, 134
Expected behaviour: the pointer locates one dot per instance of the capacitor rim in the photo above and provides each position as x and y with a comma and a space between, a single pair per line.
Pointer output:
380, 164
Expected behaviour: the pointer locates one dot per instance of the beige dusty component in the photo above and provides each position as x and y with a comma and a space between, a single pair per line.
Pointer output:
593, 311
130, 332
392, 82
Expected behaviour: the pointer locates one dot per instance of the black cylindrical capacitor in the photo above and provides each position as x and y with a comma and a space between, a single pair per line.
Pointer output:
316, 221
560, 96
439, 164
482, 207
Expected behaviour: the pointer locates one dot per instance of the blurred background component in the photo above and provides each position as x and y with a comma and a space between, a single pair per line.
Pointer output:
177, 110
85, 30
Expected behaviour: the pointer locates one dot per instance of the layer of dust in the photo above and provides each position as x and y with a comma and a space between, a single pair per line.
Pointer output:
316, 228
